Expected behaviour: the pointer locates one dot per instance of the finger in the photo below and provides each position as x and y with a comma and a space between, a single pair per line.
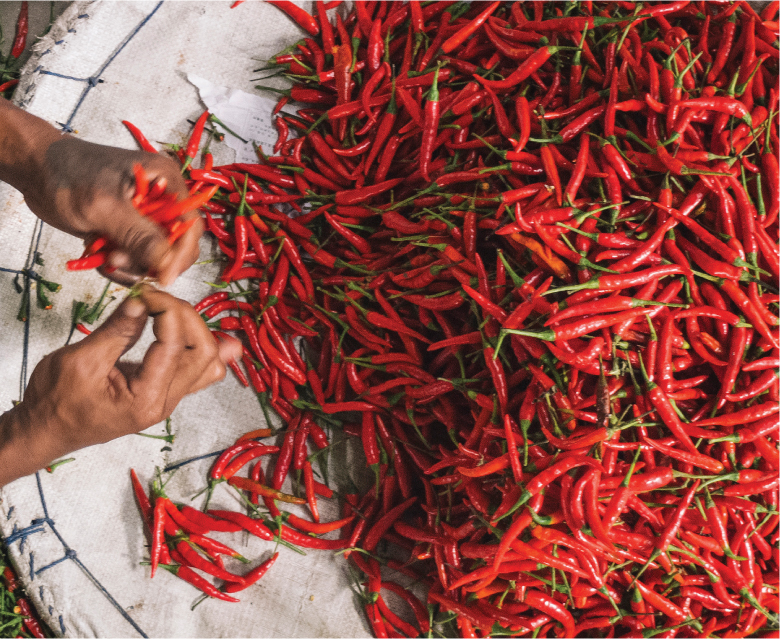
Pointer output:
139, 237
160, 166
229, 349
214, 372
200, 357
183, 349
184, 253
117, 334
152, 381
116, 269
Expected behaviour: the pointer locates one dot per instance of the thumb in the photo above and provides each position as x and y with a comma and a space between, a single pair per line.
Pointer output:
117, 334
142, 245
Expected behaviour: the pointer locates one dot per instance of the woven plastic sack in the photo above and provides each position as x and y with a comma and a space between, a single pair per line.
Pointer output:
76, 534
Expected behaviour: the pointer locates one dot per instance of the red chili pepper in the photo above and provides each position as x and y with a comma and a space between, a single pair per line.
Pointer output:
529, 66
158, 531
22, 26
430, 127
7, 85
191, 577
252, 577
30, 622
302, 18
460, 36
139, 137
194, 142
207, 522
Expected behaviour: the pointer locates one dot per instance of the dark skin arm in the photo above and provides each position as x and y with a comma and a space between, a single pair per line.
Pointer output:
82, 394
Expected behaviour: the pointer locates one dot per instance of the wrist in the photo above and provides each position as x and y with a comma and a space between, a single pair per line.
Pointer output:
24, 141
25, 444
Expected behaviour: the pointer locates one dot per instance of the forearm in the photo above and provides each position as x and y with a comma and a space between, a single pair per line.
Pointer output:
24, 139
23, 447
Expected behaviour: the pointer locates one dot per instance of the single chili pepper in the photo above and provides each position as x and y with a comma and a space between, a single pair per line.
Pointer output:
383, 524
253, 526
191, 150
302, 18
139, 137
660, 602
311, 496
30, 622
430, 127
22, 26
89, 262
216, 547
698, 460
207, 522
252, 577
529, 66
460, 36
9, 579
244, 458
7, 85
191, 577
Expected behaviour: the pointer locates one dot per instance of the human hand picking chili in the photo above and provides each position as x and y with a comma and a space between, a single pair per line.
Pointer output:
82, 394
86, 190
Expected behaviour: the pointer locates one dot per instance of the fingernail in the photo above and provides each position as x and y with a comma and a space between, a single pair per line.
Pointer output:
165, 279
134, 307
118, 259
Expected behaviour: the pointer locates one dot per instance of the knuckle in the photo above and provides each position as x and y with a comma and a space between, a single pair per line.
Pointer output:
125, 328
194, 252
218, 371
144, 242
152, 412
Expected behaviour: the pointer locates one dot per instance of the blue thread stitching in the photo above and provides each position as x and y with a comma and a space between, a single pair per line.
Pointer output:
52, 564
23, 533
192, 459
111, 59
59, 75
108, 596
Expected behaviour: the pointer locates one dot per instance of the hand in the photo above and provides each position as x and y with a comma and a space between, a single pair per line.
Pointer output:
85, 189
82, 395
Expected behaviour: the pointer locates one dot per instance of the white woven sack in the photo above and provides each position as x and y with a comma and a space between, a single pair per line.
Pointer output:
76, 534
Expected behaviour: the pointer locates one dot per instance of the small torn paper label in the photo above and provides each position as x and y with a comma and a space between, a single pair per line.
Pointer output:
247, 115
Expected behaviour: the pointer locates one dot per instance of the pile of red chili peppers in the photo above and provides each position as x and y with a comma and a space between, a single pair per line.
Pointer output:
533, 260
18, 618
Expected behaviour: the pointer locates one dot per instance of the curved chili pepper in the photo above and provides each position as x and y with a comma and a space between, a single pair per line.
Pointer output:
22, 26
303, 19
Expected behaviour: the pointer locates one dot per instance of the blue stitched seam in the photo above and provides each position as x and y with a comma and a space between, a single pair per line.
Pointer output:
167, 469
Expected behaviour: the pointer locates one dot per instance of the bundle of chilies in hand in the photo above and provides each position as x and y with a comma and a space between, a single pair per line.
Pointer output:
153, 201
532, 259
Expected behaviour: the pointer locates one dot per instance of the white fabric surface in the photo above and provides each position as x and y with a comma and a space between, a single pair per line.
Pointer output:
89, 505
